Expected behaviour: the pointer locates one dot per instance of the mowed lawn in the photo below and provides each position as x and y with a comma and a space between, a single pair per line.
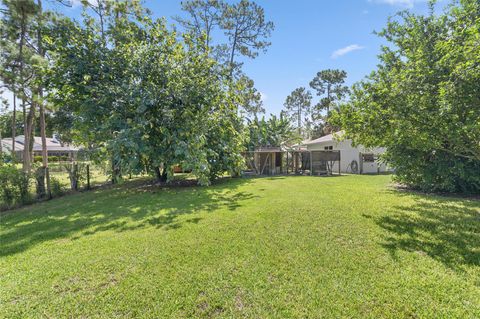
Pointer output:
285, 247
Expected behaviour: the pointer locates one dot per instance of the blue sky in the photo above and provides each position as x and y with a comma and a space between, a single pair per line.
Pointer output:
309, 36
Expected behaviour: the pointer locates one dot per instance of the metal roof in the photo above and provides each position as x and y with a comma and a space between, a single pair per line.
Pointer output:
326, 138
53, 144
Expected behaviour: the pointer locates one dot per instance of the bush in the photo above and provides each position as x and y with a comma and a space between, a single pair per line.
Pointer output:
14, 186
57, 188
51, 159
5, 158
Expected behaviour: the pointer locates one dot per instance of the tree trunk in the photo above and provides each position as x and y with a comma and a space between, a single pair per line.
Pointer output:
164, 176
42, 106
158, 174
1, 144
116, 171
28, 145
232, 54
14, 127
299, 121
27, 127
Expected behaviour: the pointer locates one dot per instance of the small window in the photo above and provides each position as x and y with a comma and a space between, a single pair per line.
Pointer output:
368, 158
328, 148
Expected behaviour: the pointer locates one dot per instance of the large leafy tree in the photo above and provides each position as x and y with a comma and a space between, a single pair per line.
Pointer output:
423, 101
135, 94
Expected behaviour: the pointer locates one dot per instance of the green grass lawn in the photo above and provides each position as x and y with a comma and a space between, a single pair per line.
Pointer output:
286, 247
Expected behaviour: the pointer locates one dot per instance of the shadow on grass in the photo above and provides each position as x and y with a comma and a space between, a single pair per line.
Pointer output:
447, 230
131, 206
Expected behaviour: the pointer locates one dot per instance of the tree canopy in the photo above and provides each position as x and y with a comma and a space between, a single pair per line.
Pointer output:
423, 101
298, 107
136, 95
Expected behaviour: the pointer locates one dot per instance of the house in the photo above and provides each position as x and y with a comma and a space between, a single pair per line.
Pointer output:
353, 159
54, 147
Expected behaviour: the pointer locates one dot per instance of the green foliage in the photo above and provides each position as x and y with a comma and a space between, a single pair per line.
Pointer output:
14, 186
38, 159
6, 120
330, 87
276, 131
422, 103
5, 158
250, 100
298, 106
57, 188
243, 23
139, 97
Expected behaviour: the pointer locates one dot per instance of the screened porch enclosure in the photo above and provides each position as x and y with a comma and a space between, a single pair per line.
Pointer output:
277, 161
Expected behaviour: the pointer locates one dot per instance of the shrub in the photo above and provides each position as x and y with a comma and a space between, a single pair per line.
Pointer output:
5, 158
56, 187
14, 186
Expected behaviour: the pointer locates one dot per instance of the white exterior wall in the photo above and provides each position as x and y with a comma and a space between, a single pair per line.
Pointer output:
348, 153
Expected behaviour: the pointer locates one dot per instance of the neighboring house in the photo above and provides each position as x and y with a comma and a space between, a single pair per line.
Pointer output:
353, 159
54, 147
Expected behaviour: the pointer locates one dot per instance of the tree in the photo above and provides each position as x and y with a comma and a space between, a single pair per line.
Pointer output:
205, 16
247, 30
250, 100
8, 118
329, 86
244, 25
422, 103
298, 108
20, 62
23, 63
143, 96
3, 105
275, 131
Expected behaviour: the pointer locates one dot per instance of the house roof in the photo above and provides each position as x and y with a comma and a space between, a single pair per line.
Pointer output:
53, 145
269, 149
7, 145
326, 138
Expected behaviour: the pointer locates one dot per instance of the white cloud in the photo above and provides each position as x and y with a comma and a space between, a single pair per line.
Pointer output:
347, 49
263, 96
401, 3
78, 3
